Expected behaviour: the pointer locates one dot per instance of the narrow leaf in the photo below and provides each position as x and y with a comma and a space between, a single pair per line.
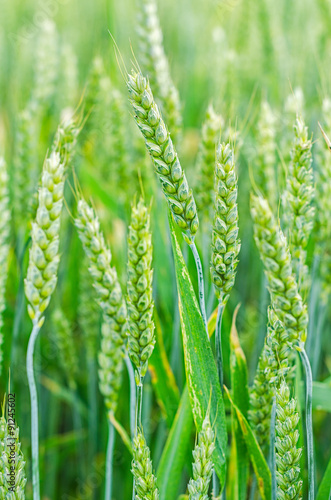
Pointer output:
173, 458
239, 385
324, 491
201, 374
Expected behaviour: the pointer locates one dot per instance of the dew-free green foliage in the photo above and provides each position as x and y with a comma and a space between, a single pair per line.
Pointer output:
289, 482
225, 240
210, 134
142, 470
59, 66
141, 337
166, 162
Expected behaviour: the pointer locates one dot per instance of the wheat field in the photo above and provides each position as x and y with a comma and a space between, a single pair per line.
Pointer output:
165, 250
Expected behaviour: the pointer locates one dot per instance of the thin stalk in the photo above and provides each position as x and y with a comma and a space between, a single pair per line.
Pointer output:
272, 452
318, 339
34, 410
309, 422
109, 461
92, 408
132, 395
218, 343
313, 299
201, 283
139, 405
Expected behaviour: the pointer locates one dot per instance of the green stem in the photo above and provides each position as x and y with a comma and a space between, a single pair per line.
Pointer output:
109, 461
34, 409
316, 352
139, 405
218, 343
272, 452
309, 422
201, 284
132, 395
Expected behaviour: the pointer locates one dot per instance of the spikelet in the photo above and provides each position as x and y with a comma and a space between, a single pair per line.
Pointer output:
142, 470
141, 338
272, 367
47, 60
297, 199
12, 465
285, 298
225, 241
288, 455
323, 203
155, 65
161, 149
211, 130
44, 255
63, 337
203, 464
266, 154
110, 299
4, 245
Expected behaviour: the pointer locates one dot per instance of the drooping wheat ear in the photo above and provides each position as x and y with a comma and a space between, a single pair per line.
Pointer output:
155, 65
25, 172
69, 65
288, 455
323, 203
203, 464
12, 465
225, 241
165, 158
285, 298
44, 253
142, 470
266, 154
272, 367
65, 346
141, 338
211, 130
298, 198
110, 299
4, 245
88, 311
47, 60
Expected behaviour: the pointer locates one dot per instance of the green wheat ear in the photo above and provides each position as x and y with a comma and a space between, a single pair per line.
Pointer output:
155, 65
297, 200
272, 245
167, 166
203, 464
225, 240
142, 470
110, 299
9, 436
266, 154
289, 483
141, 338
210, 134
273, 366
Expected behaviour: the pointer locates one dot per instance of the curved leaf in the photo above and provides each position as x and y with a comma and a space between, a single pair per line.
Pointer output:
259, 463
